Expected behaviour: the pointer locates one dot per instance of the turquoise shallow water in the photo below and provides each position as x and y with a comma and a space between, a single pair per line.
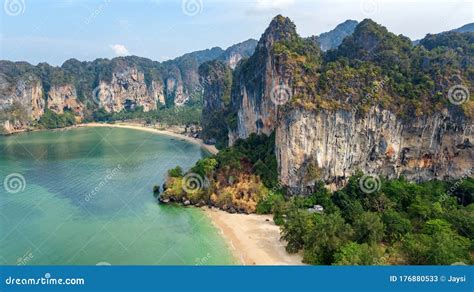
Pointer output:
84, 197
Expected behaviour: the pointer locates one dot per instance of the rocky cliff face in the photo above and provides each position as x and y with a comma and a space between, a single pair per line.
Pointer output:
127, 90
237, 52
62, 98
216, 79
22, 102
334, 116
333, 145
260, 83
119, 84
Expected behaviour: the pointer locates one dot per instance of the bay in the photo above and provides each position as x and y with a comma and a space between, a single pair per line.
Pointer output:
84, 197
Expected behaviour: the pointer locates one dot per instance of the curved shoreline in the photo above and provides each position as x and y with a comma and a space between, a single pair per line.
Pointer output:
210, 148
253, 239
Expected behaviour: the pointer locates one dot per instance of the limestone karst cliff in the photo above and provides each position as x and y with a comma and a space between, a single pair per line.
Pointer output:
122, 83
216, 79
254, 100
376, 103
333, 145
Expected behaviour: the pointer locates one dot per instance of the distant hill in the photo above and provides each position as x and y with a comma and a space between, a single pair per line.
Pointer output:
235, 53
332, 39
465, 28
27, 91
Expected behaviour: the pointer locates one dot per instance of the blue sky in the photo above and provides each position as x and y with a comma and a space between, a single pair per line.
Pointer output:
53, 31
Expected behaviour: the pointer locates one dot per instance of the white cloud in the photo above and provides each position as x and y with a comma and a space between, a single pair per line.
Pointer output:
119, 50
273, 4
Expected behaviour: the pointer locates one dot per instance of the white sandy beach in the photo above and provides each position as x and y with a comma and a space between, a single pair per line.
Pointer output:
254, 239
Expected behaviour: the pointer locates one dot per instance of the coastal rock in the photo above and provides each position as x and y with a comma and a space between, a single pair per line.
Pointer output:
21, 102
333, 145
258, 82
62, 98
237, 52
329, 134
127, 90
122, 83
156, 92
332, 39
216, 79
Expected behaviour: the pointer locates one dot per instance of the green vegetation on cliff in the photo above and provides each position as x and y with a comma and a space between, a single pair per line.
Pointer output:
52, 120
186, 115
409, 80
418, 78
235, 179
400, 222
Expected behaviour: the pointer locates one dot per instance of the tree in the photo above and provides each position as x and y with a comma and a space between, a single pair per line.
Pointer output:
437, 245
462, 220
52, 120
465, 191
205, 167
349, 206
271, 203
368, 227
322, 197
396, 226
326, 235
357, 254
297, 223
176, 172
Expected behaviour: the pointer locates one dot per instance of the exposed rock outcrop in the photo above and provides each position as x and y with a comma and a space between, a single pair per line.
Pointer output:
62, 98
216, 79
20, 103
128, 90
156, 92
237, 52
259, 83
333, 145
337, 116
122, 83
